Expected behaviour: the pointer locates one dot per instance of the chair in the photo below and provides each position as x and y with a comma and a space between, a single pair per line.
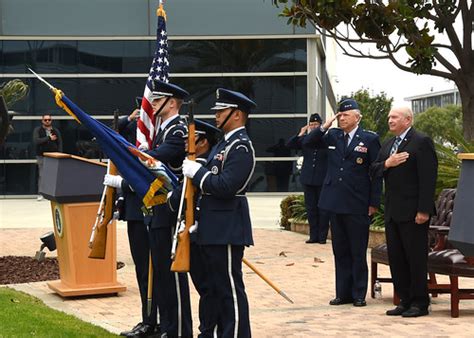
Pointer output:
439, 225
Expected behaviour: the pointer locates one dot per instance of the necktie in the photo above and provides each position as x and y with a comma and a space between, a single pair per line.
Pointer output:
346, 141
395, 145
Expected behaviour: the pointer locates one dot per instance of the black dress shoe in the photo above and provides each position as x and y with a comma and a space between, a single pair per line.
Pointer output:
415, 311
322, 242
339, 301
310, 241
359, 302
397, 311
129, 333
145, 331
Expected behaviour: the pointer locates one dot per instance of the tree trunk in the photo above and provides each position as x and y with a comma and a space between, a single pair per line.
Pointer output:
466, 91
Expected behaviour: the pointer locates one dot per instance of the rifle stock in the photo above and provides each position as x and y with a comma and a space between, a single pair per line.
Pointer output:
98, 244
181, 262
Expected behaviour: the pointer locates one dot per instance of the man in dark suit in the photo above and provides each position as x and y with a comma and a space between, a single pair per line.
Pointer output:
224, 219
313, 172
350, 196
409, 166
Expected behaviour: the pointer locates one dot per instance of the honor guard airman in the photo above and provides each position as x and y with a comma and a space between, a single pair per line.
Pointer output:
130, 206
224, 221
168, 147
206, 138
350, 196
313, 172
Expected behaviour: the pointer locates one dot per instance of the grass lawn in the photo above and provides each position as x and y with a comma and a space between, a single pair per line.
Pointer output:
22, 315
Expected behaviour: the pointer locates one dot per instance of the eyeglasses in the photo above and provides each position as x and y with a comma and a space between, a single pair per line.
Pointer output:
46, 120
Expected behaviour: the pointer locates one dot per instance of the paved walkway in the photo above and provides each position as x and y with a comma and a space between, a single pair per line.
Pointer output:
305, 272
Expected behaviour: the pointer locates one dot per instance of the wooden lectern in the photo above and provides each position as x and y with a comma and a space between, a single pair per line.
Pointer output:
74, 186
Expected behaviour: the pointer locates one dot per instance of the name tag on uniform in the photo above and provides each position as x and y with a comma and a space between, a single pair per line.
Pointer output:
331, 147
360, 149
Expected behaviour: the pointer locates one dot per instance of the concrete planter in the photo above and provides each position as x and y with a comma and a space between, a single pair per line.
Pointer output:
376, 237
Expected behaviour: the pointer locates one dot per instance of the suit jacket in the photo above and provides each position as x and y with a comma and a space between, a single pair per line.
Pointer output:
347, 187
315, 159
409, 187
224, 216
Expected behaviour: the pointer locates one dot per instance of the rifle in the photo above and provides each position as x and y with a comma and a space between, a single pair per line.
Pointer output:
98, 240
181, 260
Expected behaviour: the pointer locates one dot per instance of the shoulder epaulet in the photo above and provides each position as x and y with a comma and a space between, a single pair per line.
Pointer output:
371, 131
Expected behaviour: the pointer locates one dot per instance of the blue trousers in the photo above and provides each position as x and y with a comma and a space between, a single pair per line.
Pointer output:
350, 236
173, 289
224, 266
318, 218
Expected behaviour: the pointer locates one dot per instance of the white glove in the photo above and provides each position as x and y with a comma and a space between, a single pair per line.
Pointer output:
114, 181
182, 226
190, 168
143, 147
193, 228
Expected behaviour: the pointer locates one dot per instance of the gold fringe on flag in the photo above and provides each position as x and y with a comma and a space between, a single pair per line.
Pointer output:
58, 95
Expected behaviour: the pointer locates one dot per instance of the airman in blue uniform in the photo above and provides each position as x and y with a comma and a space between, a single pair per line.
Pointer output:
350, 196
224, 220
206, 137
313, 172
130, 210
168, 147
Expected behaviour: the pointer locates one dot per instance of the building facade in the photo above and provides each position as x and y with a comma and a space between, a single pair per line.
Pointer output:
99, 53
420, 103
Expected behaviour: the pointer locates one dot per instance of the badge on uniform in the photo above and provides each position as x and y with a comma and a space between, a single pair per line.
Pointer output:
219, 157
359, 160
215, 170
361, 149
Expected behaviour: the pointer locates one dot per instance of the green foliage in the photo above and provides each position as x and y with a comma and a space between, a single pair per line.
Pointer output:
298, 209
374, 111
286, 212
13, 91
440, 123
24, 316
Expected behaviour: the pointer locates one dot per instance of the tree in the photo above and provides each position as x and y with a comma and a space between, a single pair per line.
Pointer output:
410, 33
374, 111
442, 124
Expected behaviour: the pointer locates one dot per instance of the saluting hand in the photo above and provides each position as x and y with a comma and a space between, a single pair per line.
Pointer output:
329, 122
303, 130
396, 159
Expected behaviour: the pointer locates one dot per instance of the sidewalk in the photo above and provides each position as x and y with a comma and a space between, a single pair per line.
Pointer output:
297, 271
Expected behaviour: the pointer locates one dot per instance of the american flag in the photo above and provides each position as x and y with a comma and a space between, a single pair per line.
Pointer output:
158, 71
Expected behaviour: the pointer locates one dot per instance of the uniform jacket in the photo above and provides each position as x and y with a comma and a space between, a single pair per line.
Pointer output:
410, 186
169, 149
224, 212
315, 159
348, 187
132, 204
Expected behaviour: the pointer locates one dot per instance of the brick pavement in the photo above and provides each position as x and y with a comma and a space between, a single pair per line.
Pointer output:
309, 283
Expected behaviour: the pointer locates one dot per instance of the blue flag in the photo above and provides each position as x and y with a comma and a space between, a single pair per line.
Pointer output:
151, 187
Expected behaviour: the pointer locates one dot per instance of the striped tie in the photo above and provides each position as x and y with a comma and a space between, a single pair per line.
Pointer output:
395, 145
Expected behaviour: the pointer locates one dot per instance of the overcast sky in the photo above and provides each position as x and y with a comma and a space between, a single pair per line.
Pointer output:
381, 75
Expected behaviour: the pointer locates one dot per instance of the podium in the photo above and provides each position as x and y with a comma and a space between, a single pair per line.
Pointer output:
74, 186
461, 233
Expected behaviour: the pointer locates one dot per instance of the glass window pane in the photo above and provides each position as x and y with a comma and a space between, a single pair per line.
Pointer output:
18, 179
272, 176
269, 55
115, 56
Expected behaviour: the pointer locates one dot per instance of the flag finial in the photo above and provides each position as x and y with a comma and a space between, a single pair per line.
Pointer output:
161, 11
